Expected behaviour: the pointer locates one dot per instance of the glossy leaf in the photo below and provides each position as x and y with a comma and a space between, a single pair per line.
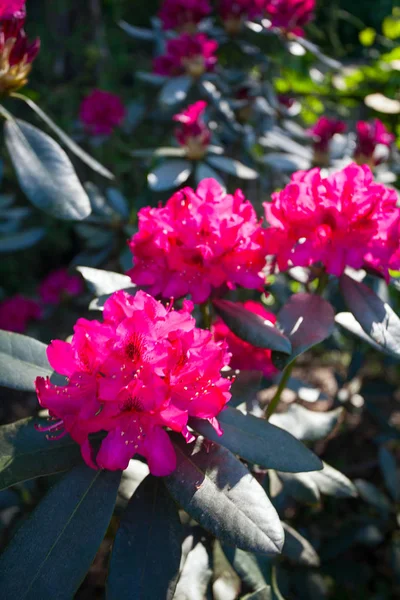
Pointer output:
388, 465
175, 90
22, 240
348, 321
259, 442
371, 494
376, 318
170, 174
147, 547
332, 482
300, 486
195, 575
306, 320
22, 359
231, 166
307, 424
222, 496
297, 549
247, 567
61, 537
26, 453
251, 327
45, 172
102, 282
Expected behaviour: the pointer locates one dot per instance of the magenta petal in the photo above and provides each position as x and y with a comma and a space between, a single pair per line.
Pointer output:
87, 454
115, 451
62, 358
160, 453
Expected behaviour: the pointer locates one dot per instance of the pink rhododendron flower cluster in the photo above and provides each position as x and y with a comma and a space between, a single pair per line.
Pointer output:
101, 112
200, 241
59, 283
245, 356
144, 368
183, 14
369, 135
324, 130
16, 312
346, 219
16, 53
190, 54
290, 15
11, 8
193, 133
234, 12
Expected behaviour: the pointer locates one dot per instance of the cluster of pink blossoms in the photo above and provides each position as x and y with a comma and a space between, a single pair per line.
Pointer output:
144, 368
192, 133
101, 112
11, 8
346, 219
59, 284
246, 357
200, 241
369, 136
190, 54
290, 15
183, 14
324, 130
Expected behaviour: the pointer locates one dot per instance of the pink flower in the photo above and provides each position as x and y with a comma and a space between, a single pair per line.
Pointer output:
369, 135
234, 12
191, 54
245, 356
142, 369
344, 220
183, 14
290, 15
11, 8
17, 311
200, 241
101, 112
16, 53
58, 284
193, 133
324, 130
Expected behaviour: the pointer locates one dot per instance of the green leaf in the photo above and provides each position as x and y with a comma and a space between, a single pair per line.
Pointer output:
391, 27
203, 171
348, 321
388, 466
251, 327
54, 548
226, 583
307, 424
231, 166
298, 549
170, 174
102, 282
222, 496
26, 453
259, 442
118, 202
332, 482
22, 359
45, 172
247, 567
367, 36
196, 573
71, 145
138, 33
376, 318
300, 486
307, 320
175, 90
147, 547
21, 241
371, 494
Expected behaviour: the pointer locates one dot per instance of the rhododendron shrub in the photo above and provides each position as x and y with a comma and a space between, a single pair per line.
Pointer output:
369, 136
322, 133
190, 54
183, 14
201, 241
192, 133
290, 15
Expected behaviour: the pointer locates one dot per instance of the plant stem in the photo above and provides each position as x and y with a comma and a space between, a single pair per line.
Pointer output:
282, 384
206, 314
322, 283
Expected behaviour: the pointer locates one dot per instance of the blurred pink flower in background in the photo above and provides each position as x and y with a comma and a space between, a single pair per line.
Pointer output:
369, 135
190, 54
59, 283
193, 133
11, 8
16, 312
324, 130
290, 15
183, 14
101, 112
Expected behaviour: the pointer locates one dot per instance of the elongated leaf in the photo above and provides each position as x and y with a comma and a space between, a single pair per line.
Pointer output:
307, 424
231, 166
246, 566
390, 473
307, 320
221, 495
376, 318
52, 551
22, 359
102, 282
21, 241
226, 583
288, 163
371, 494
26, 453
203, 171
71, 145
298, 549
169, 175
147, 548
251, 327
45, 172
167, 152
175, 90
259, 442
138, 33
332, 482
118, 202
195, 576
348, 321
300, 486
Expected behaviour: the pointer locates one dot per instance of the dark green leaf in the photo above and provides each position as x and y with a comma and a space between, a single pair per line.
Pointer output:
195, 575
45, 172
300, 486
307, 424
252, 328
203, 171
22, 359
264, 593
298, 549
26, 453
388, 466
222, 496
259, 442
226, 584
348, 321
333, 483
138, 33
104, 282
147, 548
247, 567
371, 494
376, 318
21, 241
170, 174
175, 90
118, 202
54, 548
231, 166
307, 320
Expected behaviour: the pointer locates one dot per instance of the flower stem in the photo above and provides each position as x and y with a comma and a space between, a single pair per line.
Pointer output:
206, 314
322, 283
271, 408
